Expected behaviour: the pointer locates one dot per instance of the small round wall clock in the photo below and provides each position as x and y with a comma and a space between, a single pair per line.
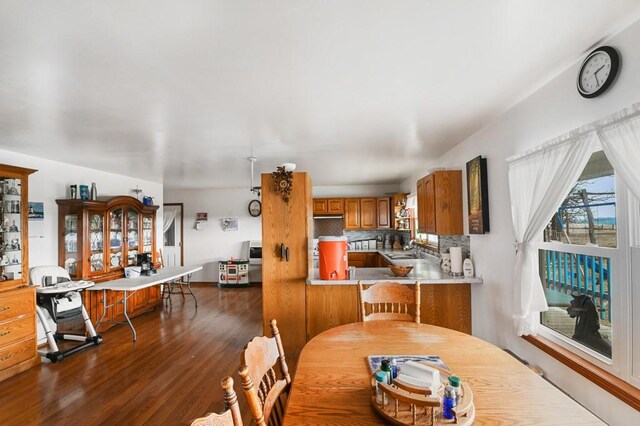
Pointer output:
255, 208
598, 72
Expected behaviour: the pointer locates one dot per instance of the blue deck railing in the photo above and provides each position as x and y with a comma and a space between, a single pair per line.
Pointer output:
571, 273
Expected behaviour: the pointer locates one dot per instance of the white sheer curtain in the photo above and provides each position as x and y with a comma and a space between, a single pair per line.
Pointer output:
168, 216
621, 143
538, 183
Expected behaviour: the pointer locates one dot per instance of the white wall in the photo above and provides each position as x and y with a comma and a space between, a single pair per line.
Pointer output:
207, 247
551, 111
51, 182
355, 190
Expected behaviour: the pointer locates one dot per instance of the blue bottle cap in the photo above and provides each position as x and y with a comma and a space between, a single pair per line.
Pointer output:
381, 376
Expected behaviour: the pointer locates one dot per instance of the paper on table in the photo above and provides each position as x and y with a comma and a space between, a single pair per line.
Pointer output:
422, 373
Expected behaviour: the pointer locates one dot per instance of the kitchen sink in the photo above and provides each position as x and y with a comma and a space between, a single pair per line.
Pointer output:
402, 256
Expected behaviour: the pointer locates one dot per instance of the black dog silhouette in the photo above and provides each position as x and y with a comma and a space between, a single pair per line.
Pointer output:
588, 324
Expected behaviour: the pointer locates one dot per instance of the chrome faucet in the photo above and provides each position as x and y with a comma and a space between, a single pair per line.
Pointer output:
410, 245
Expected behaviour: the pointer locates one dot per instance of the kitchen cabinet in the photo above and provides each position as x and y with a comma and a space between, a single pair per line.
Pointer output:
98, 239
364, 260
286, 228
360, 213
320, 206
351, 213
328, 206
384, 212
440, 203
368, 213
356, 260
18, 350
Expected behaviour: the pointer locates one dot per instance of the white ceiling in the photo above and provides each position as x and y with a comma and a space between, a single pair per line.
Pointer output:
355, 92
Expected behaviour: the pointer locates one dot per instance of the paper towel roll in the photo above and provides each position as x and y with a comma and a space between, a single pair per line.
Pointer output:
456, 260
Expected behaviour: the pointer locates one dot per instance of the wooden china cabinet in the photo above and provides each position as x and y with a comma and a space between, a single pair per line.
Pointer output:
98, 239
18, 348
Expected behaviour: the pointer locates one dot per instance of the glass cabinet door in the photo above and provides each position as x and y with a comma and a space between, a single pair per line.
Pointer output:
10, 229
147, 234
71, 244
96, 242
133, 236
115, 239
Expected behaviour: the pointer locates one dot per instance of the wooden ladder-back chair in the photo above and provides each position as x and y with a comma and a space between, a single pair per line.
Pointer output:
231, 416
266, 394
389, 301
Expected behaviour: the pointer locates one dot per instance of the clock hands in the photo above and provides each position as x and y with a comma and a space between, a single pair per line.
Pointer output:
595, 75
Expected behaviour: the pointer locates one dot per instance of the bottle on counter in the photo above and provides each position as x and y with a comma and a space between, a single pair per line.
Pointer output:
381, 377
454, 382
448, 402
385, 366
394, 368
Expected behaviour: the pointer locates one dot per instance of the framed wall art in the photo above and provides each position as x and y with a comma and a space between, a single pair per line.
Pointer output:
478, 196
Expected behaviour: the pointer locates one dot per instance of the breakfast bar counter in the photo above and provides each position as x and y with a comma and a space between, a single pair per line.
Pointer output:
445, 300
426, 271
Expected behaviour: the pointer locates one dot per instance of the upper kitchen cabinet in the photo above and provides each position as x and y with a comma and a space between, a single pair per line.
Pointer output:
440, 203
351, 213
328, 206
99, 238
384, 212
368, 213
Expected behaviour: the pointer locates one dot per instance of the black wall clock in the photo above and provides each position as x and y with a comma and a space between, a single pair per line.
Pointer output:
255, 208
598, 72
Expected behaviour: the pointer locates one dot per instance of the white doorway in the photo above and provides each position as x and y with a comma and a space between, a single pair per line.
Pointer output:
172, 249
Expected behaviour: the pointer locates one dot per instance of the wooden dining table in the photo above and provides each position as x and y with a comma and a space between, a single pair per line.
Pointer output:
332, 383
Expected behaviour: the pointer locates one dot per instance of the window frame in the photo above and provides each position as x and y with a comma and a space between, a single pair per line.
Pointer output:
624, 365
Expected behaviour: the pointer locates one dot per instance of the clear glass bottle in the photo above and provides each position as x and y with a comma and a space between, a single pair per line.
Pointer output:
381, 377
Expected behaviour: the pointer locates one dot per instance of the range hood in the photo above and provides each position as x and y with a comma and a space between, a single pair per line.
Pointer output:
339, 216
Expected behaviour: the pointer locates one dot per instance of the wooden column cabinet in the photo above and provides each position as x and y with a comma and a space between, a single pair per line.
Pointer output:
352, 213
286, 230
98, 239
384, 212
440, 203
368, 213
18, 340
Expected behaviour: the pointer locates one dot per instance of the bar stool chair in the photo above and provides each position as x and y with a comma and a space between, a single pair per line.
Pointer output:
266, 394
231, 416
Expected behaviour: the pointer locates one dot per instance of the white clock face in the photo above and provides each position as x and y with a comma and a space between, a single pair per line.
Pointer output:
595, 72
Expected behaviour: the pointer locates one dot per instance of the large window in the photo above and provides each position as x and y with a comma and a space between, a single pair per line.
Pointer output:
585, 266
577, 277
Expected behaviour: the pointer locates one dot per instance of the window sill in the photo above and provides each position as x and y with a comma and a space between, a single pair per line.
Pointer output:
607, 381
427, 246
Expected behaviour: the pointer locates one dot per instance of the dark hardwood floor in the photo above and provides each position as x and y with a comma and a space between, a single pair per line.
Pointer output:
169, 376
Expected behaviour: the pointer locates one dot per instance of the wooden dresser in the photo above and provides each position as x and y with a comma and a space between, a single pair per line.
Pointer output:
18, 346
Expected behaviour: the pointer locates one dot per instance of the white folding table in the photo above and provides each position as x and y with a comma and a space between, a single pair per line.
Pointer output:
128, 286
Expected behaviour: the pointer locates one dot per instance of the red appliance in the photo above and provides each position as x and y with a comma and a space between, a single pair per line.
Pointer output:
333, 258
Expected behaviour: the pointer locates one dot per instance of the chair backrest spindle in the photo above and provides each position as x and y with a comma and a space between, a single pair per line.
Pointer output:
389, 301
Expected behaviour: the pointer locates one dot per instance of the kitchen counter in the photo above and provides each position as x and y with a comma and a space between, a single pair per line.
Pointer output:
426, 271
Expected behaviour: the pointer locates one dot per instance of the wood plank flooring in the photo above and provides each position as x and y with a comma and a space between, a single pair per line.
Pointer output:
169, 376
